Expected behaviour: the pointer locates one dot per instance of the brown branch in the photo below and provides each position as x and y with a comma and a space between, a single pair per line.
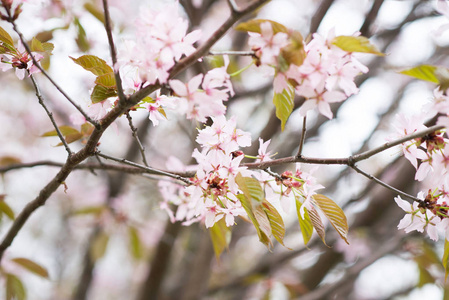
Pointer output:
136, 137
319, 15
36, 63
50, 114
107, 25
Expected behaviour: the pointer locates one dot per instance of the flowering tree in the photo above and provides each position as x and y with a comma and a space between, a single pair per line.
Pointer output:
216, 166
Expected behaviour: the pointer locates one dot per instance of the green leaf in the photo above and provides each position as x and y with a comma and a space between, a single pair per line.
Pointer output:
6, 38
70, 138
31, 266
100, 93
81, 38
284, 103
65, 130
106, 80
254, 26
135, 243
276, 222
246, 203
94, 11
5, 208
251, 188
446, 259
356, 44
99, 246
317, 224
423, 72
93, 64
334, 213
95, 210
220, 235
87, 129
305, 224
36, 45
262, 220
14, 288
424, 277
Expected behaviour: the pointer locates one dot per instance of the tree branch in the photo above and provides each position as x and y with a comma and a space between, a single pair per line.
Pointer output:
107, 25
136, 137
36, 63
50, 114
148, 169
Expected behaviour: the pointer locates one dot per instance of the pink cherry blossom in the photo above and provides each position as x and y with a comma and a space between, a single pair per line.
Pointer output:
266, 44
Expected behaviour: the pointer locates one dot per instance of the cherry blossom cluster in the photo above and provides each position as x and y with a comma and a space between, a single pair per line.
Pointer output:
430, 157
161, 40
325, 76
212, 194
199, 104
430, 214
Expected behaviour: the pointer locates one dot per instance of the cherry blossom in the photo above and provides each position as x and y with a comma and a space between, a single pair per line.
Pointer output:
21, 61
161, 40
266, 44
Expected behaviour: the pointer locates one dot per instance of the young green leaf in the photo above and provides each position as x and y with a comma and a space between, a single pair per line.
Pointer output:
135, 243
81, 38
446, 259
14, 288
5, 208
99, 246
100, 93
106, 80
317, 224
254, 26
284, 104
220, 235
423, 72
31, 266
305, 224
356, 44
334, 213
246, 203
65, 130
6, 38
251, 188
94, 11
93, 64
276, 221
94, 210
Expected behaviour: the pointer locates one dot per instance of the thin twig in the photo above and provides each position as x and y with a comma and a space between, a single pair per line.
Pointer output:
36, 63
303, 136
344, 160
233, 6
238, 53
134, 132
50, 114
274, 174
380, 182
148, 169
107, 25
419, 134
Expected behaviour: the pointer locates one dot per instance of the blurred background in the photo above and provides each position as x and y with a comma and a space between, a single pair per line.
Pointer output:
105, 236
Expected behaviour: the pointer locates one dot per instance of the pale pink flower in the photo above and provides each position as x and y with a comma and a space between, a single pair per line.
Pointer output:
318, 97
267, 45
